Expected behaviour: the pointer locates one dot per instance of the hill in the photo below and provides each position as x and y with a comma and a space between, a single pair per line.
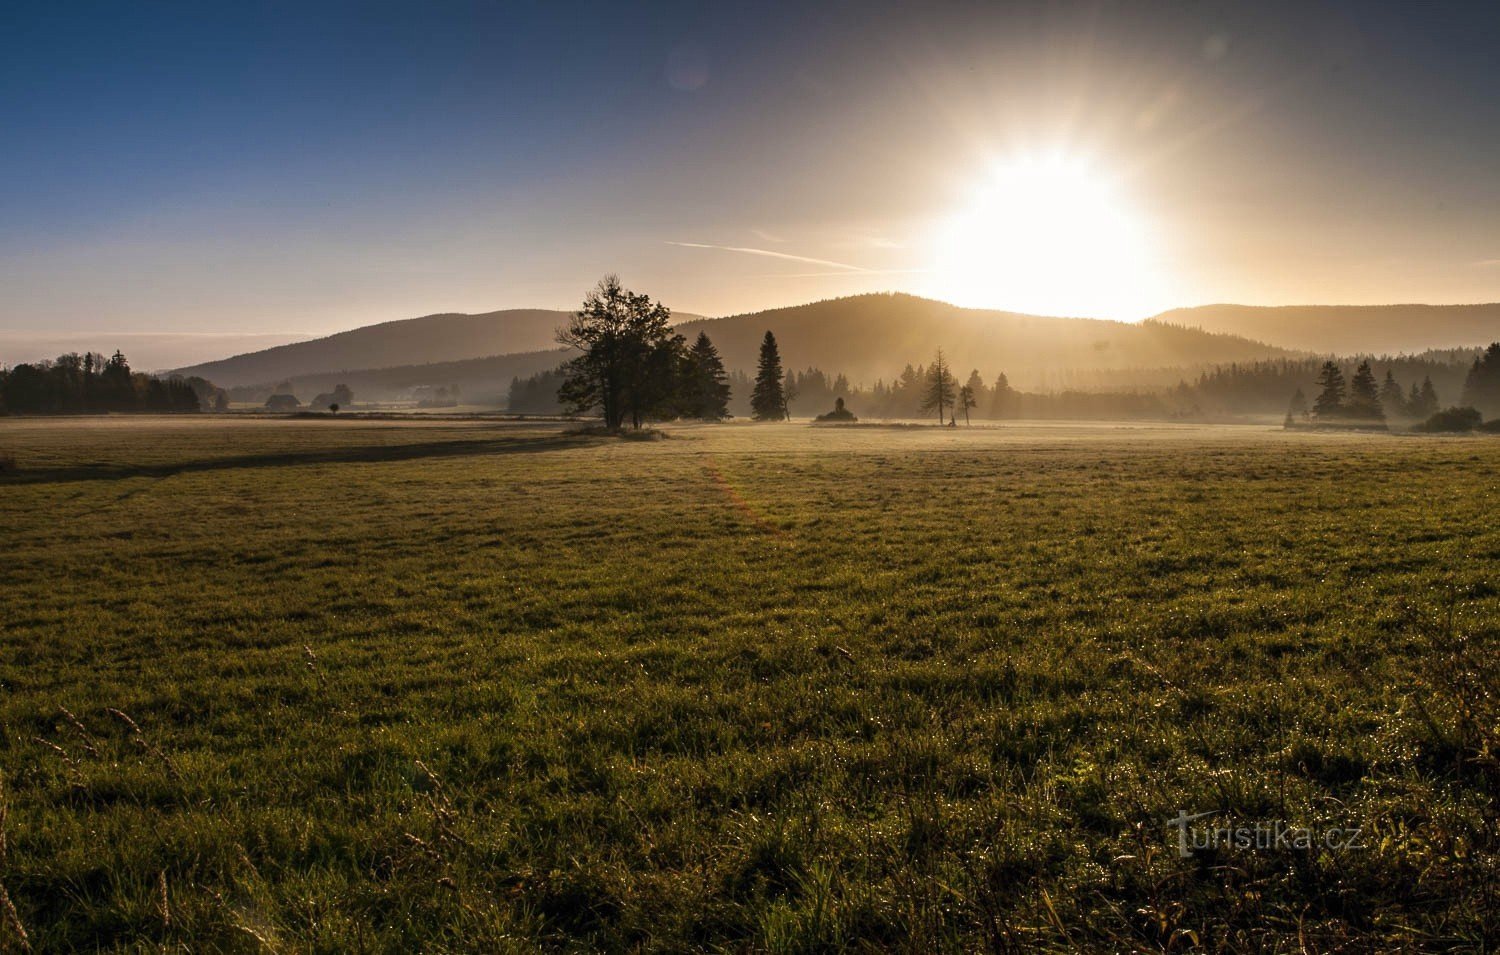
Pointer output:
864, 337
874, 336
480, 381
413, 341
1348, 329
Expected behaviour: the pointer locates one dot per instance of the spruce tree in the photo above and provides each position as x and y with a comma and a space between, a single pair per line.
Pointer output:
1392, 398
941, 387
1364, 395
707, 384
1427, 401
1298, 407
1330, 401
1482, 387
767, 400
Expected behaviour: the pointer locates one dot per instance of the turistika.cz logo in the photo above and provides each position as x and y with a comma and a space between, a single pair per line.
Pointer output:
1264, 836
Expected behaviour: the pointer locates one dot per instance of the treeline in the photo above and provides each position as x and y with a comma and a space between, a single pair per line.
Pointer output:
75, 384
1362, 400
633, 368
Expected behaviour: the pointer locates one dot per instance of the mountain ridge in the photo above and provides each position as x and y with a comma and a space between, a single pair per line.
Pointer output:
865, 337
1348, 329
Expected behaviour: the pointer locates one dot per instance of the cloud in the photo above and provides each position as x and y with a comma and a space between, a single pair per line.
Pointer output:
846, 267
1487, 263
819, 275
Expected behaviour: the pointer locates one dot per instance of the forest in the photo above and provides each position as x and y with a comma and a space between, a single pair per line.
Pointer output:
91, 383
1426, 383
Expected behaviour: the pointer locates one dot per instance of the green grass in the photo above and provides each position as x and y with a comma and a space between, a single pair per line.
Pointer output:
456, 686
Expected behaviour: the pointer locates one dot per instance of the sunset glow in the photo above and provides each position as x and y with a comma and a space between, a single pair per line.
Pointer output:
1050, 235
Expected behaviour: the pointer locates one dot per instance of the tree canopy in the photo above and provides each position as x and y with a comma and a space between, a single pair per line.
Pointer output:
631, 359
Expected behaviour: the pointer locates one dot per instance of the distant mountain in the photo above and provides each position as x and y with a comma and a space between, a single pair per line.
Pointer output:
412, 341
480, 381
1349, 329
865, 337
146, 351
874, 336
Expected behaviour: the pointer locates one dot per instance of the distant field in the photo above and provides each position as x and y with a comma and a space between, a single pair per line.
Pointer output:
272, 685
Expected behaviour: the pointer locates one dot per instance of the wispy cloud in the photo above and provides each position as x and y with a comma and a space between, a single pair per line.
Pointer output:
819, 275
844, 266
1487, 263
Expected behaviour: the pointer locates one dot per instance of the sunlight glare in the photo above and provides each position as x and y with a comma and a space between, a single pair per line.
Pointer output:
1050, 236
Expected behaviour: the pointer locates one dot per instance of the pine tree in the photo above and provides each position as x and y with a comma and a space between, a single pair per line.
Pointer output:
1001, 397
767, 400
1392, 398
1330, 402
1297, 409
706, 384
941, 387
1364, 395
1427, 402
966, 399
1482, 387
978, 389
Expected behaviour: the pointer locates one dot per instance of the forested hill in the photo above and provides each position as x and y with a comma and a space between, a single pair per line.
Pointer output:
1349, 329
867, 337
413, 341
875, 336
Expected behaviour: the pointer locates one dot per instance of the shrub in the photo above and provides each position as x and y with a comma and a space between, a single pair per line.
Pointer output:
1492, 426
1452, 420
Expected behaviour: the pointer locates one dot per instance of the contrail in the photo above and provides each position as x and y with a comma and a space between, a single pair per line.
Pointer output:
773, 255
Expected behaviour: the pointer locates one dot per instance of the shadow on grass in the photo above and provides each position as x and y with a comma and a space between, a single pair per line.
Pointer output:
355, 455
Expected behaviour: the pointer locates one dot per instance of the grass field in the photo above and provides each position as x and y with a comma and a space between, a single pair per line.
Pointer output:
457, 686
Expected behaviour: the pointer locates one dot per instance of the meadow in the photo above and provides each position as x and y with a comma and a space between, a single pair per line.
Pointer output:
341, 685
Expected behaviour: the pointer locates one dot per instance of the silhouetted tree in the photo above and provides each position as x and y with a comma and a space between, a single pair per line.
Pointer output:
1482, 386
705, 385
1425, 404
87, 383
1364, 396
768, 401
941, 388
1002, 397
978, 389
966, 400
1392, 398
1330, 401
630, 357
1297, 408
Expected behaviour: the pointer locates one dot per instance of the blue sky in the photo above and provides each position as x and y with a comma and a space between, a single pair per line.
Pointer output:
306, 167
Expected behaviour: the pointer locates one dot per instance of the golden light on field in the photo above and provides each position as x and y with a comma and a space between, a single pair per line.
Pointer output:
1050, 235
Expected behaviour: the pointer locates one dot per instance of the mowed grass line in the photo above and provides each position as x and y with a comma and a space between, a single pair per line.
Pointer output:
335, 686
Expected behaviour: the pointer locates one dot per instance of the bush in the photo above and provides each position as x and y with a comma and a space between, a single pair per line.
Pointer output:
1492, 426
7, 461
1452, 420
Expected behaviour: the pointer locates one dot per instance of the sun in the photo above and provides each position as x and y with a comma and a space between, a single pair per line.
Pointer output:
1052, 236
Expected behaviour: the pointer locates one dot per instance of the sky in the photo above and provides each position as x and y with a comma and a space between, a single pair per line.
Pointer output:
268, 168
